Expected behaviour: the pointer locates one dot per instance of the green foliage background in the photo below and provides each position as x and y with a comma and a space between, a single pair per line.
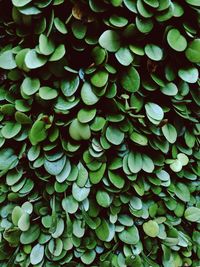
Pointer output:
99, 133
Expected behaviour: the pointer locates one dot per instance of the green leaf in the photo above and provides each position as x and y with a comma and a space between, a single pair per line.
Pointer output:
20, 3
102, 230
80, 193
170, 133
30, 85
183, 159
176, 166
192, 214
34, 60
10, 129
147, 164
37, 254
154, 111
189, 74
130, 80
100, 78
58, 53
79, 131
38, 132
193, 51
118, 21
169, 89
114, 135
135, 162
7, 158
152, 3
54, 167
70, 86
103, 198
24, 222
193, 2
46, 46
139, 138
16, 215
110, 41
7, 60
70, 205
151, 228
116, 179
87, 95
124, 56
60, 26
88, 257
154, 52
176, 40
86, 115
31, 235
182, 192
47, 93
130, 235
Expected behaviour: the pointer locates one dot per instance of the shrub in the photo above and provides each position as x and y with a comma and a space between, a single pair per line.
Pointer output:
99, 133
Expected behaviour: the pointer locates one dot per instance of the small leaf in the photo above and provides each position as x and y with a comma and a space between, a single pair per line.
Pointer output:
130, 80
100, 78
47, 93
46, 46
10, 129
30, 85
189, 74
114, 135
38, 132
154, 52
34, 60
110, 41
79, 131
151, 228
7, 60
37, 254
87, 95
24, 222
54, 167
192, 214
170, 133
192, 51
130, 235
80, 193
176, 40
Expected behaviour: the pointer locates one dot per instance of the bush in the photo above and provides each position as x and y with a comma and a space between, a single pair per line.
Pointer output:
99, 133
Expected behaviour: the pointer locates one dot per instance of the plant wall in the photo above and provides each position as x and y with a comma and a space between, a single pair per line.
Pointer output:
99, 133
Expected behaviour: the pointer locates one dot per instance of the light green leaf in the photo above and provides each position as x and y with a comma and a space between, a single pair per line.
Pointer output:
10, 129
30, 85
110, 41
189, 74
154, 52
38, 132
47, 93
193, 51
176, 40
87, 95
170, 133
130, 235
114, 135
34, 60
37, 254
130, 80
46, 46
151, 228
192, 214
7, 60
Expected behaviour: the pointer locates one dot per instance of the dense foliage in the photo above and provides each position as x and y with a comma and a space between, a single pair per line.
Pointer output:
99, 133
